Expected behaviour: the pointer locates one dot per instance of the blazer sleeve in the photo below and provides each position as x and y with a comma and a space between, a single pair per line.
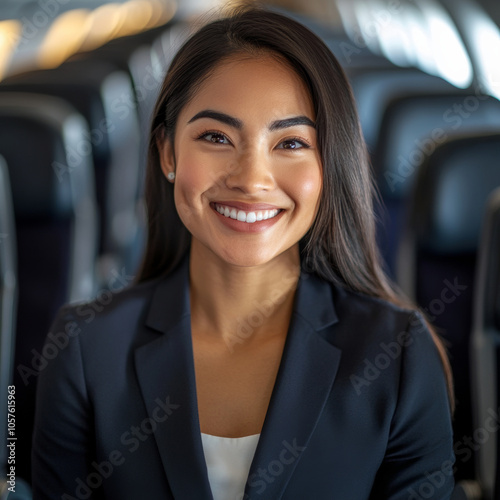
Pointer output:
62, 440
419, 458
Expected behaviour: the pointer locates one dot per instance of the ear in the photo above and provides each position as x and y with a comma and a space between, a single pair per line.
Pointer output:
166, 155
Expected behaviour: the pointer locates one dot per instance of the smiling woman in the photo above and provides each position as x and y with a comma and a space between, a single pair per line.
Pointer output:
262, 325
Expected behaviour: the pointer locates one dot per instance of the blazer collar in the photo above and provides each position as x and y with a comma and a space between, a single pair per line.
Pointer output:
165, 371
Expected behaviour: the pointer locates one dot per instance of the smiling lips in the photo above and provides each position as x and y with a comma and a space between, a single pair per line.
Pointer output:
244, 216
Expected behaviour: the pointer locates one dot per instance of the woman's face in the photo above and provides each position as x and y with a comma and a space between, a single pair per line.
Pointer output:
248, 171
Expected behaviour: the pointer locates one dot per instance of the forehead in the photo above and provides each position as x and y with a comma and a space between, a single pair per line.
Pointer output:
263, 84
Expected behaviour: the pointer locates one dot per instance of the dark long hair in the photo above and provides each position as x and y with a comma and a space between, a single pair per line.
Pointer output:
341, 244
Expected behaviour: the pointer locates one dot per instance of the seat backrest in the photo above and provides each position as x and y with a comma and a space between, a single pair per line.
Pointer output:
8, 300
375, 89
166, 45
104, 96
132, 54
135, 56
56, 227
485, 354
436, 261
412, 128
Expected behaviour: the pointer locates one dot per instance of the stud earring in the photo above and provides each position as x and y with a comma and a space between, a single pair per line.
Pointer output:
171, 176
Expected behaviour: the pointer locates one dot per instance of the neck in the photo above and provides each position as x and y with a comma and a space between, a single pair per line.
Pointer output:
240, 306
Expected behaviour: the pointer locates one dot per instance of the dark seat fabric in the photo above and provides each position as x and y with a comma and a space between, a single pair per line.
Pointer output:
375, 88
101, 94
485, 351
56, 225
8, 301
412, 128
133, 55
437, 258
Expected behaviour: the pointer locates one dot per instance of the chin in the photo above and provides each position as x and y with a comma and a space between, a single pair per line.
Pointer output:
246, 258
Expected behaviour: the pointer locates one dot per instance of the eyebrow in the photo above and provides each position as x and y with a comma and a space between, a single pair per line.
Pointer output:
238, 124
290, 122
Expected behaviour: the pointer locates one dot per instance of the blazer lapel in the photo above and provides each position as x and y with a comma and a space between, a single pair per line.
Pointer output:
165, 370
304, 381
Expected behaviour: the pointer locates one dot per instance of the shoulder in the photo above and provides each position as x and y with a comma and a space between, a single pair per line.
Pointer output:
373, 317
348, 301
108, 315
382, 340
101, 335
108, 302
379, 336
355, 321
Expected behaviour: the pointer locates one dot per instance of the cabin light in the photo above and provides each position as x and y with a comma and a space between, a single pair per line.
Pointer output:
10, 35
450, 56
421, 55
136, 16
81, 30
393, 36
485, 36
162, 12
114, 20
105, 22
64, 37
349, 20
369, 26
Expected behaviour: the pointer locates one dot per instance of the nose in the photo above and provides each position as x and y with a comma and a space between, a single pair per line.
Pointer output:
250, 173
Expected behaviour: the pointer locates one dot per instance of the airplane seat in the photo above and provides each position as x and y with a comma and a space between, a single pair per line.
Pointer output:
485, 351
163, 49
437, 255
133, 55
8, 301
412, 127
101, 94
376, 87
57, 229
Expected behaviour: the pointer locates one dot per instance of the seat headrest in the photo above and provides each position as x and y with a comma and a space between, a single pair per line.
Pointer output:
414, 126
451, 193
36, 135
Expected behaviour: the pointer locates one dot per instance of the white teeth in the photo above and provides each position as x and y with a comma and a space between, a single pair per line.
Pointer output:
249, 217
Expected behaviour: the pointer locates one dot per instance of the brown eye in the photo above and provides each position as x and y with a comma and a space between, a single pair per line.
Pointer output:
215, 138
292, 144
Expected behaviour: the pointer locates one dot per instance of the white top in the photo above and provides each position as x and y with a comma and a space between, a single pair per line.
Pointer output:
228, 463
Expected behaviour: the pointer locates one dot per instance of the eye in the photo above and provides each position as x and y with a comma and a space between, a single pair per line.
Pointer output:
294, 143
214, 137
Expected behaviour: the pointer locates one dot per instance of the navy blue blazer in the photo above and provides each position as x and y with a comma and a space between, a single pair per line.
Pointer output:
359, 409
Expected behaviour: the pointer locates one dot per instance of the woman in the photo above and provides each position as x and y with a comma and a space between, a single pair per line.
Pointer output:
262, 353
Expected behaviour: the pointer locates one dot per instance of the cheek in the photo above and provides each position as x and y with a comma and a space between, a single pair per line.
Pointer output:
191, 177
196, 181
190, 168
200, 176
305, 188
188, 182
